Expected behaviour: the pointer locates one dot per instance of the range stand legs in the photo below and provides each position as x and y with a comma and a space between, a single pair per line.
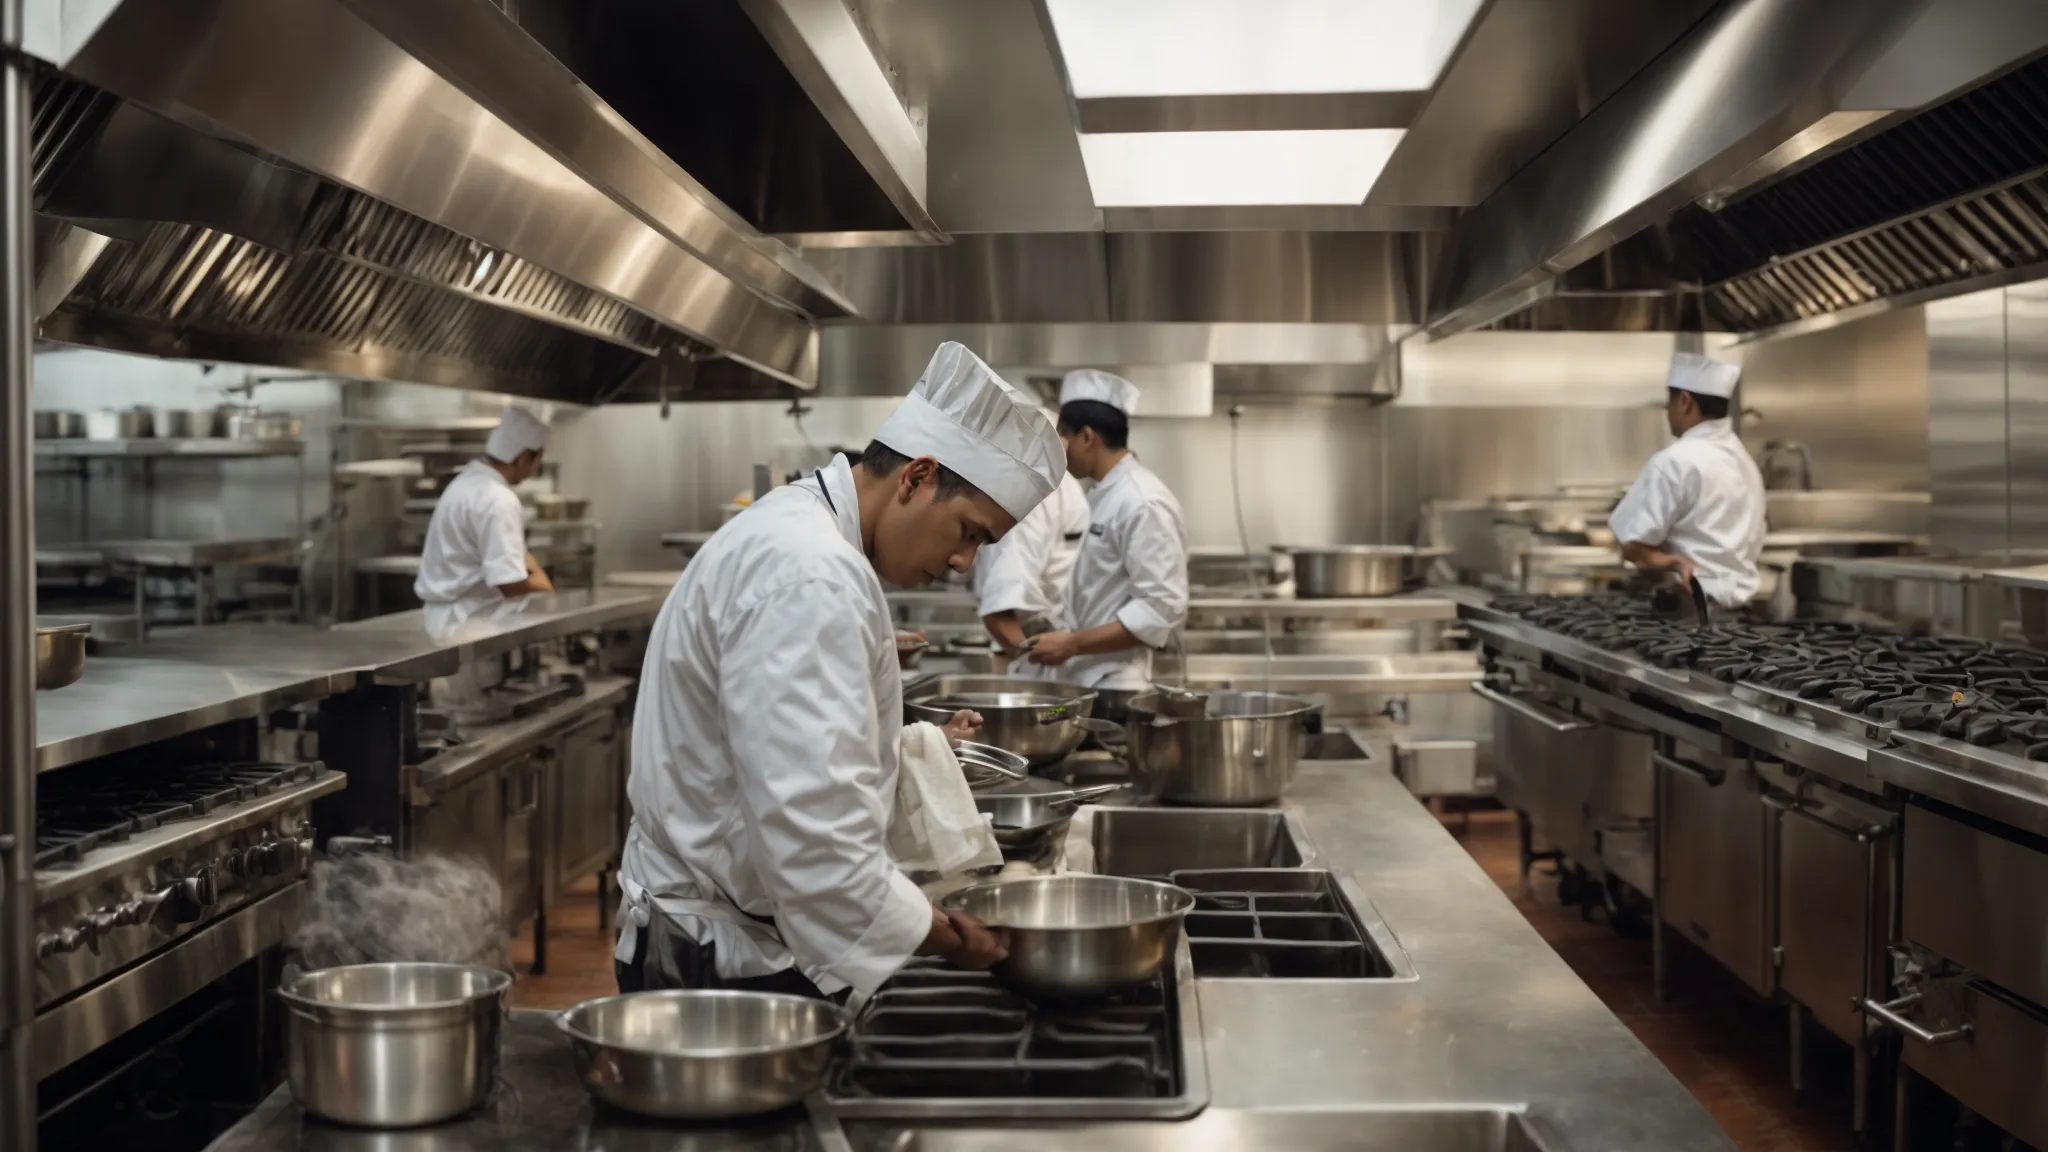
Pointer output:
539, 967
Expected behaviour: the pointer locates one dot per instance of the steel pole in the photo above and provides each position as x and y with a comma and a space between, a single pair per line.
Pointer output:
17, 600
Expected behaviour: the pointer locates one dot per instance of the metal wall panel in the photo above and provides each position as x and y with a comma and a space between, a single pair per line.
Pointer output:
1966, 422
2026, 414
1856, 396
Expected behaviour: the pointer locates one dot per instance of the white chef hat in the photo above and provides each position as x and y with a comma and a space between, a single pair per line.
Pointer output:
1102, 387
518, 431
967, 418
1692, 372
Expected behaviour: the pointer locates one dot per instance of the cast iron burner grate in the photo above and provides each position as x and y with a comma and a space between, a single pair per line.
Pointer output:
76, 813
935, 1032
1990, 695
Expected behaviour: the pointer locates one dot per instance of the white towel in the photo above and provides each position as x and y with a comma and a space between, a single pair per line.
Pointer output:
936, 827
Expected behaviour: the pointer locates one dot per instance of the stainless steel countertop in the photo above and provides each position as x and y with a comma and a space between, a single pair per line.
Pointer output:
489, 743
1494, 1033
207, 676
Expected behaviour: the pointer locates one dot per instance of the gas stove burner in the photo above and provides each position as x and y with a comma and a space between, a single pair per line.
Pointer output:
937, 1032
76, 813
1987, 694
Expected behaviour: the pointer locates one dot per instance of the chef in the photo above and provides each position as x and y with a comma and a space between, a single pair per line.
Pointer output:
1129, 592
1021, 580
476, 556
764, 753
1697, 509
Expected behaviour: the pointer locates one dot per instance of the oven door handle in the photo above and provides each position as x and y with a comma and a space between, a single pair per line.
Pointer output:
1711, 777
1528, 711
1889, 1013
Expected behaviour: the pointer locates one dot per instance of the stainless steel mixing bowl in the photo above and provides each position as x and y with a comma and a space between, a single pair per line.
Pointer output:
698, 1055
1075, 936
1038, 720
394, 1045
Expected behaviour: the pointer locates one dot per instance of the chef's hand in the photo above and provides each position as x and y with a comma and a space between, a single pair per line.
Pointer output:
964, 724
1684, 569
537, 576
1053, 649
908, 637
981, 947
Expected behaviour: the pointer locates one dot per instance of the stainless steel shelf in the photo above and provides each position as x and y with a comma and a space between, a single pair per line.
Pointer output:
179, 553
217, 448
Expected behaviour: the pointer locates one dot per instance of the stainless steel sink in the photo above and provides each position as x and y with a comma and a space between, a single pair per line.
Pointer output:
1353, 1130
1334, 744
1156, 841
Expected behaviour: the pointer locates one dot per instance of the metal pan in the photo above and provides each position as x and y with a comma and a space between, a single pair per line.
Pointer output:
60, 655
702, 1055
1078, 935
1028, 820
1011, 710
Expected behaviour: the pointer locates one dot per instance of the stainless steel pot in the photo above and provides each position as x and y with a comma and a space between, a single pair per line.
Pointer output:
188, 423
60, 654
1242, 751
1075, 936
394, 1045
1036, 719
54, 425
699, 1055
1354, 570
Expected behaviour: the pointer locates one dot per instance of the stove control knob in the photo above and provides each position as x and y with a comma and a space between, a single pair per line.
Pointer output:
269, 858
201, 889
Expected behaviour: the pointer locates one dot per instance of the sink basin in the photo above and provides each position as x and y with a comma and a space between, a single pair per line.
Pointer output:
1156, 841
1334, 744
1352, 1130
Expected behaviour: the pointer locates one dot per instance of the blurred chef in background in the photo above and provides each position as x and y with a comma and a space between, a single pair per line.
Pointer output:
1697, 509
765, 747
1129, 592
475, 556
1021, 580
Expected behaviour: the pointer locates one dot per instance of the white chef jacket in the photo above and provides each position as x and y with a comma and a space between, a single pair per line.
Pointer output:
1133, 568
476, 541
1027, 571
764, 749
1702, 498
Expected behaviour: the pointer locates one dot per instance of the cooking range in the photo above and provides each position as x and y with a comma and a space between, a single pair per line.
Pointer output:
131, 862
1992, 696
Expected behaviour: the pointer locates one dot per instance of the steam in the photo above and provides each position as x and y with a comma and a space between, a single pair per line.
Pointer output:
370, 908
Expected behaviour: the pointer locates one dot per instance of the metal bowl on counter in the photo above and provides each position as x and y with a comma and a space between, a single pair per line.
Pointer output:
394, 1045
1038, 720
60, 654
1243, 749
120, 424
1354, 570
190, 423
702, 1055
55, 425
1076, 936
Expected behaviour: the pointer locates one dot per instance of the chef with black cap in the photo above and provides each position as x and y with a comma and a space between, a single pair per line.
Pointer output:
765, 742
1697, 509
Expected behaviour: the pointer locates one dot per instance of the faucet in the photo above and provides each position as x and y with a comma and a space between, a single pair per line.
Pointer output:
1773, 448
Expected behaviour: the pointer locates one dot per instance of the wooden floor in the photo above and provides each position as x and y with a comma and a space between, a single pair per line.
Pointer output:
1727, 1048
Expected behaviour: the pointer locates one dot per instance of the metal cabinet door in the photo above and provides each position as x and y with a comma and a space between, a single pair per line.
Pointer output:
1834, 884
1711, 856
523, 786
465, 821
1543, 767
589, 784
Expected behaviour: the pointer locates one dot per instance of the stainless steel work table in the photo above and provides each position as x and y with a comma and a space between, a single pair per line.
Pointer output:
207, 676
490, 744
1493, 1026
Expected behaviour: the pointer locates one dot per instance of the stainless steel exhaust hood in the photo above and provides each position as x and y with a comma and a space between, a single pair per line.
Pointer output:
408, 189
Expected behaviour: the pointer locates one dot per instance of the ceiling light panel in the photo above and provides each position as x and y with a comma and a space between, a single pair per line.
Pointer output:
1244, 47
1182, 169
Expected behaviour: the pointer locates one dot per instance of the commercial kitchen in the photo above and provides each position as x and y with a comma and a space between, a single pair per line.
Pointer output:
1400, 287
